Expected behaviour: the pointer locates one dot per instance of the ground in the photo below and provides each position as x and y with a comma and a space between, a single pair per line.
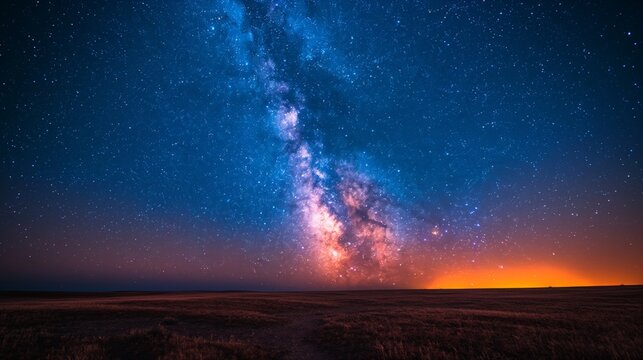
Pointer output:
564, 323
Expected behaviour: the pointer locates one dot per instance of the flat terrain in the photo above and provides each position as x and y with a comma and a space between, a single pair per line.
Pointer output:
564, 323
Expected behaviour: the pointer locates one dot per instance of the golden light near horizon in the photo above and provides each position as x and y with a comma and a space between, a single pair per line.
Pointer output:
502, 276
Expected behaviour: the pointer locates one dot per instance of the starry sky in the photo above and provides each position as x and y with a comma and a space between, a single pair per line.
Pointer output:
301, 144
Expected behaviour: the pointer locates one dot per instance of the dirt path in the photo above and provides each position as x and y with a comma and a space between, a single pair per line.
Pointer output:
294, 337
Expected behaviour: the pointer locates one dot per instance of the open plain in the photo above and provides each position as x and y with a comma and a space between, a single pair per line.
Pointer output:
548, 323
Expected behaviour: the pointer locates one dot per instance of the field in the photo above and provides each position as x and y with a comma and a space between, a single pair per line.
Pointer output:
554, 323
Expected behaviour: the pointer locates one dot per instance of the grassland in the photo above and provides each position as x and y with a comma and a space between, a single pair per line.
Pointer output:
565, 323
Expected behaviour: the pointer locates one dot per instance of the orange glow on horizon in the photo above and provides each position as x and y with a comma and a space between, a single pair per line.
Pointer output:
511, 277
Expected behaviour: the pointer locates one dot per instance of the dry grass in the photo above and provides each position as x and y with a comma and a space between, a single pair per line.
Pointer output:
154, 343
583, 323
449, 334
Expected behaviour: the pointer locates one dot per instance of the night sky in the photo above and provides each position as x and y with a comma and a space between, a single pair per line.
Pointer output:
230, 144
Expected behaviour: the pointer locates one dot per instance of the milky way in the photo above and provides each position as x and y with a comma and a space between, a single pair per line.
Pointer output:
319, 144
344, 227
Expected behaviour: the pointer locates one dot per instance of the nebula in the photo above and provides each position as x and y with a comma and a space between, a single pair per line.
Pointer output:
350, 240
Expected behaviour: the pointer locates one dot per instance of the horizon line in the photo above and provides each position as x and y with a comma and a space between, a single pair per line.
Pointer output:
312, 290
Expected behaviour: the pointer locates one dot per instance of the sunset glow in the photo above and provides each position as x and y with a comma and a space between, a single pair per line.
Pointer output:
511, 277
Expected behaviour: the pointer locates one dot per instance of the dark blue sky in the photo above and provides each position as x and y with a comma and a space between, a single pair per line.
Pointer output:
351, 143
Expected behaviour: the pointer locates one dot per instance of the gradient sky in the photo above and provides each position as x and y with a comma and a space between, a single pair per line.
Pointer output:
230, 144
